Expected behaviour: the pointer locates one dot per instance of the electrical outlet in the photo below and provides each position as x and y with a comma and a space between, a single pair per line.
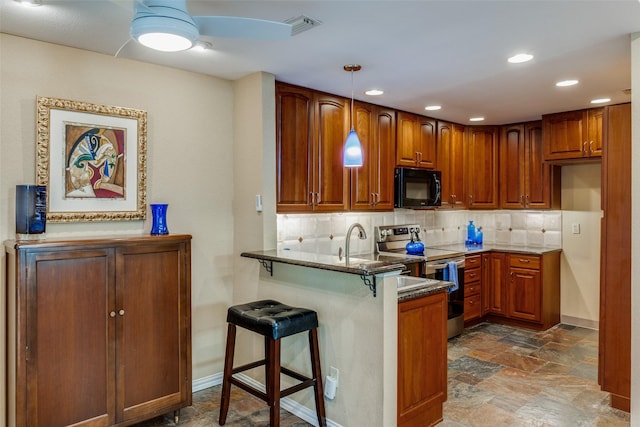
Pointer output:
575, 228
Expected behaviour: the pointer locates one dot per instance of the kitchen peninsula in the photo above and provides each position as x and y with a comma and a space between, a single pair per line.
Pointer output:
358, 331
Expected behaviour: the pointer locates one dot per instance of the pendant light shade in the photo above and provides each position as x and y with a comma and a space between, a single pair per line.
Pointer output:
352, 154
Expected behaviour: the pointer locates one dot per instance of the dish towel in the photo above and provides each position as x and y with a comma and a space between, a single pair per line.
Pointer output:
450, 274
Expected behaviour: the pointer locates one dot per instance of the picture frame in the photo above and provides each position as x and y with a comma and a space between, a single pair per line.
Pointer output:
92, 158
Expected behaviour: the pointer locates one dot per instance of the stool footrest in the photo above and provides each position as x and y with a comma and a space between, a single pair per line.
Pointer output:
249, 366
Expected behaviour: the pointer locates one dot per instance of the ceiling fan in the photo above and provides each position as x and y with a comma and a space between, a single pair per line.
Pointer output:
167, 26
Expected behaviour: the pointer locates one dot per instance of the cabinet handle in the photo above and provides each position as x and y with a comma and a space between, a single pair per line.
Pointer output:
590, 147
527, 201
584, 148
472, 275
522, 202
312, 196
377, 198
526, 261
317, 199
112, 314
121, 312
471, 302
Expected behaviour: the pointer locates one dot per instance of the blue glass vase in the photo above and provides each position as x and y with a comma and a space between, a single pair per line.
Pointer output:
159, 215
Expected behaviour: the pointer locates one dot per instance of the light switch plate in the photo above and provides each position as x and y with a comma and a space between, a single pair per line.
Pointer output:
575, 228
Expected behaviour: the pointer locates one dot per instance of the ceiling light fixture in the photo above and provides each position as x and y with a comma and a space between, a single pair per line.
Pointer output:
476, 119
352, 155
519, 58
374, 92
432, 107
565, 83
600, 100
174, 31
30, 3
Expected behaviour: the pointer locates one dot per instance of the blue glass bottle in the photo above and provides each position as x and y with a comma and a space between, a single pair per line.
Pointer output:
31, 210
471, 234
159, 216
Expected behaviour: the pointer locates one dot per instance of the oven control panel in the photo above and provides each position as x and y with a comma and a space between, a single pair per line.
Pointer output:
392, 233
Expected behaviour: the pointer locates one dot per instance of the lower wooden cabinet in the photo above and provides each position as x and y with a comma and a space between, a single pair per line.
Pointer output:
518, 289
99, 330
422, 360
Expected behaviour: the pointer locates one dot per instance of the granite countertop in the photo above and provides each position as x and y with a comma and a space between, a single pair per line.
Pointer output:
470, 250
361, 264
431, 287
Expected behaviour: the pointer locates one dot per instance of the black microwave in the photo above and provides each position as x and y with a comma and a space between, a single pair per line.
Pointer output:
417, 188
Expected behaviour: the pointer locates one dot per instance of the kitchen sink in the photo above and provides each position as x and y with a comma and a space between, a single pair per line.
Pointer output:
406, 283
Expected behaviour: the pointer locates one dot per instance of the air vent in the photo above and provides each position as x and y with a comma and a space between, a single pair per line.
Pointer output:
302, 23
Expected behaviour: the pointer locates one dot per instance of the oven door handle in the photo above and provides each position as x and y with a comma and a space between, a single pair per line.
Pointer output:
443, 265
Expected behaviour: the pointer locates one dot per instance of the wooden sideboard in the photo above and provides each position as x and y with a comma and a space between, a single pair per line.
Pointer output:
98, 330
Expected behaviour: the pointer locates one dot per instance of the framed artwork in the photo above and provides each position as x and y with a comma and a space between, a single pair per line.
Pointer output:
92, 158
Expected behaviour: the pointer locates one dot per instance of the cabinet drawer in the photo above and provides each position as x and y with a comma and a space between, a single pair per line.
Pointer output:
524, 261
472, 307
471, 275
472, 261
472, 289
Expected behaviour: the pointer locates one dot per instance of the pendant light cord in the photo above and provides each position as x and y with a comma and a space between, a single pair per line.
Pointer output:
352, 99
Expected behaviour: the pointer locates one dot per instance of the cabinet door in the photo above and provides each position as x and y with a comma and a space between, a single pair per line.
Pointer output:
486, 283
331, 179
386, 135
538, 174
595, 119
426, 142
482, 167
564, 136
496, 284
422, 358
70, 358
512, 167
406, 150
450, 158
294, 142
524, 294
153, 325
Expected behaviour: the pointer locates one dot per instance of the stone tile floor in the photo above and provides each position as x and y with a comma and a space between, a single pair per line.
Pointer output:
499, 376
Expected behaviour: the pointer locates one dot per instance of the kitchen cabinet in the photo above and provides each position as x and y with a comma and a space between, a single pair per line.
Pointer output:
472, 288
311, 128
422, 360
614, 359
524, 288
526, 181
372, 184
416, 141
450, 143
573, 135
99, 330
495, 284
481, 164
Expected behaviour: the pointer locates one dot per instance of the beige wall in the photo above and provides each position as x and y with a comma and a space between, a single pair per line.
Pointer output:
190, 161
580, 261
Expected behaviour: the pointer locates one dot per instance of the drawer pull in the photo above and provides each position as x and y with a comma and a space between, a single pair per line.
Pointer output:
524, 260
121, 312
112, 314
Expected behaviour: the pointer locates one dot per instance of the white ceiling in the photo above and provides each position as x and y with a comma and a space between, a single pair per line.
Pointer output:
449, 52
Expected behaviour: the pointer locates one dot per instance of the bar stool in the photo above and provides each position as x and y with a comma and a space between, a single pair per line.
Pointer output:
274, 321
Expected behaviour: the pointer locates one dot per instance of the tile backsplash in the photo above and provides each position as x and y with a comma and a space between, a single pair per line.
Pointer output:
325, 233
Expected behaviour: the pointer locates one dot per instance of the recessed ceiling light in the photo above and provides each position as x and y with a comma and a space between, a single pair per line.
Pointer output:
521, 57
476, 119
30, 3
432, 107
600, 100
374, 92
567, 83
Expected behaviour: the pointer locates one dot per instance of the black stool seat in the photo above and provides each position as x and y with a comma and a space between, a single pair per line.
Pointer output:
274, 321
272, 318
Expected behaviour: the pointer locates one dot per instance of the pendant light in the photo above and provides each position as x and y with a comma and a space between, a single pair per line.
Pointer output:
352, 155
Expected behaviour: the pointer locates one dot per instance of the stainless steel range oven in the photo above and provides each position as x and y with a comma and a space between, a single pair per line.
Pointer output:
392, 239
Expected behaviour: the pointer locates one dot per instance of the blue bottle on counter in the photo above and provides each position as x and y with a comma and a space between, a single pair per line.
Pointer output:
471, 234
479, 236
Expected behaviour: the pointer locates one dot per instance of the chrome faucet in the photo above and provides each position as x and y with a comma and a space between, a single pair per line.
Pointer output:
361, 235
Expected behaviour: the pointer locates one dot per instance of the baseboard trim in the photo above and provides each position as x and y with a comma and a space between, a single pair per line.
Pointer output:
286, 403
583, 323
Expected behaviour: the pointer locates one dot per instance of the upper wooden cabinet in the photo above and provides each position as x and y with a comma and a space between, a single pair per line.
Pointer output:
99, 330
416, 141
372, 184
481, 163
526, 181
450, 160
311, 128
573, 135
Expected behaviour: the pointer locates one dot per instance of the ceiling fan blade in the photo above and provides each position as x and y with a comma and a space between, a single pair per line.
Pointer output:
243, 28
